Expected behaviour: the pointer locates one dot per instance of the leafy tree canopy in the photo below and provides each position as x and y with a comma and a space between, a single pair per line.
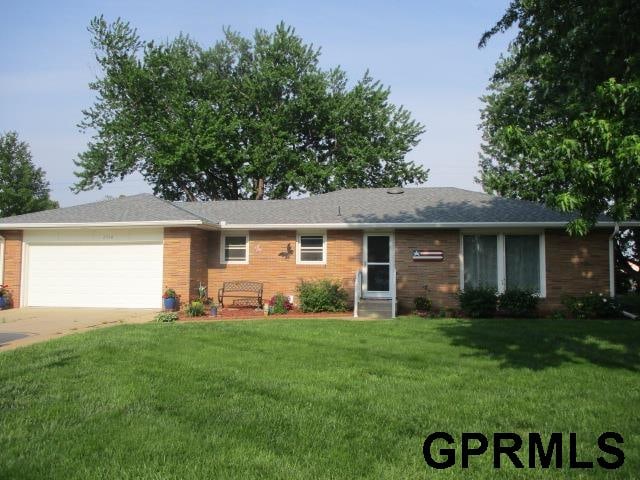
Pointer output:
23, 187
561, 119
246, 118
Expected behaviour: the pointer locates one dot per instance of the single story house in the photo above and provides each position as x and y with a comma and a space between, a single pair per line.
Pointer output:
381, 244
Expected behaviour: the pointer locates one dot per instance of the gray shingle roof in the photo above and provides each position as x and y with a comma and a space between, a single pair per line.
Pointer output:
371, 206
376, 205
136, 208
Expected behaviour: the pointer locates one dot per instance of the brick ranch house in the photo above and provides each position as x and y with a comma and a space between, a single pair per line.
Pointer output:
381, 243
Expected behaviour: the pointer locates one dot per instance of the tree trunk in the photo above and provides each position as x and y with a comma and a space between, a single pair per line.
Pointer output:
187, 192
259, 191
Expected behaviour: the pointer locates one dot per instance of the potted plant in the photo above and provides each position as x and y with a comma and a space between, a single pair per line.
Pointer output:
213, 309
4, 296
169, 299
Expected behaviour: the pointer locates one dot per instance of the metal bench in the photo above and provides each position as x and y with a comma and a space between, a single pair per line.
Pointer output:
245, 293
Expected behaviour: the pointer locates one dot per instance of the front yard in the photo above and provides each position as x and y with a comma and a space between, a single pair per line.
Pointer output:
313, 398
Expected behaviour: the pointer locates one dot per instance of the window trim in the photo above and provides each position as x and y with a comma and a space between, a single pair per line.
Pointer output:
230, 233
311, 233
501, 257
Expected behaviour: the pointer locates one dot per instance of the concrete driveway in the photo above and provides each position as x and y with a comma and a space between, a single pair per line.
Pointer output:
24, 326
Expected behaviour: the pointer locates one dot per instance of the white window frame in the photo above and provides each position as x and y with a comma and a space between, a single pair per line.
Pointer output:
502, 271
223, 238
311, 233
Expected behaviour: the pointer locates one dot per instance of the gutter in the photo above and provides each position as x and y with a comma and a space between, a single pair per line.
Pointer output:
401, 225
151, 223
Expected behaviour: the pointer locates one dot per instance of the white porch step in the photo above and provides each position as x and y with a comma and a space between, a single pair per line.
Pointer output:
374, 308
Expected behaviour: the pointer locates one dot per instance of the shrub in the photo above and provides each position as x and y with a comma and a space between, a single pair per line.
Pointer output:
322, 296
195, 309
518, 303
423, 304
558, 316
592, 305
166, 317
280, 304
478, 302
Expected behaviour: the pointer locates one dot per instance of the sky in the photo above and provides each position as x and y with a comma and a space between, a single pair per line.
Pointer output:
425, 51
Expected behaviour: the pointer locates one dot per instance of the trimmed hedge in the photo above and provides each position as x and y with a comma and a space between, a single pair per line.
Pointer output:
486, 303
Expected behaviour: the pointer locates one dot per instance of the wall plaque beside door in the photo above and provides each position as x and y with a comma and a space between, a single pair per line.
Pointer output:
428, 255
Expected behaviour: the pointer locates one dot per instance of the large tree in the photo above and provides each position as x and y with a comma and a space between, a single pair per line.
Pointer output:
561, 120
246, 118
23, 187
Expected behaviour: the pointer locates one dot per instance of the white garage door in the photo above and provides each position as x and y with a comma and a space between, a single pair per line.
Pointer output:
117, 275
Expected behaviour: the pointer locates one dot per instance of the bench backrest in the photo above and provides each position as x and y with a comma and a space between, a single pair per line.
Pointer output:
242, 287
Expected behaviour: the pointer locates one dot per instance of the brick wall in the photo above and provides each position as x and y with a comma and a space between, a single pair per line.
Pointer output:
184, 261
441, 278
272, 260
12, 274
575, 265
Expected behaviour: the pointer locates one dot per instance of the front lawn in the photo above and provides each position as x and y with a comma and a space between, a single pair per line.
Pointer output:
313, 399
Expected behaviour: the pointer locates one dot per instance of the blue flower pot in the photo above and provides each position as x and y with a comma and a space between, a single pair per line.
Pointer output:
169, 303
214, 311
3, 302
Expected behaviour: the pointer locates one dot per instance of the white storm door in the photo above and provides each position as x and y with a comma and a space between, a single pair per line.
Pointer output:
378, 265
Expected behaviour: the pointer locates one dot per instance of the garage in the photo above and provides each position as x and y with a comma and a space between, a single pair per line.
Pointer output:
116, 268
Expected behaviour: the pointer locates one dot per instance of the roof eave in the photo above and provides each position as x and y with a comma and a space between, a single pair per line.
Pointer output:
143, 223
407, 225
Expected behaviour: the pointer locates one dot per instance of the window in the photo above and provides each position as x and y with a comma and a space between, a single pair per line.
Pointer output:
480, 261
503, 262
311, 248
234, 248
522, 262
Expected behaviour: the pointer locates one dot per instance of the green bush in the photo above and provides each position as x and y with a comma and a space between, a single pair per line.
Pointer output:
478, 302
166, 317
195, 309
322, 296
518, 303
592, 305
423, 304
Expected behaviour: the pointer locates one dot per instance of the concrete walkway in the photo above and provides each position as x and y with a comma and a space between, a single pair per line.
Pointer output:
24, 326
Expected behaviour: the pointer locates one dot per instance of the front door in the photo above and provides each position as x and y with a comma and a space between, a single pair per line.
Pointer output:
378, 265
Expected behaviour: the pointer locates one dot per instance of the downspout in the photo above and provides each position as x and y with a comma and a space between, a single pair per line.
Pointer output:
1, 259
612, 260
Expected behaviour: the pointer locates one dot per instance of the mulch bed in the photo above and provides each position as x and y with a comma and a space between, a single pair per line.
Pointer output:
250, 313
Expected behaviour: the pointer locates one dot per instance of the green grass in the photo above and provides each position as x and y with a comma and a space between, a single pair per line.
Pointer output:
312, 399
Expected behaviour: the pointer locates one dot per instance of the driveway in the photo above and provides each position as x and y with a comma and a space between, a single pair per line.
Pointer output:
24, 326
